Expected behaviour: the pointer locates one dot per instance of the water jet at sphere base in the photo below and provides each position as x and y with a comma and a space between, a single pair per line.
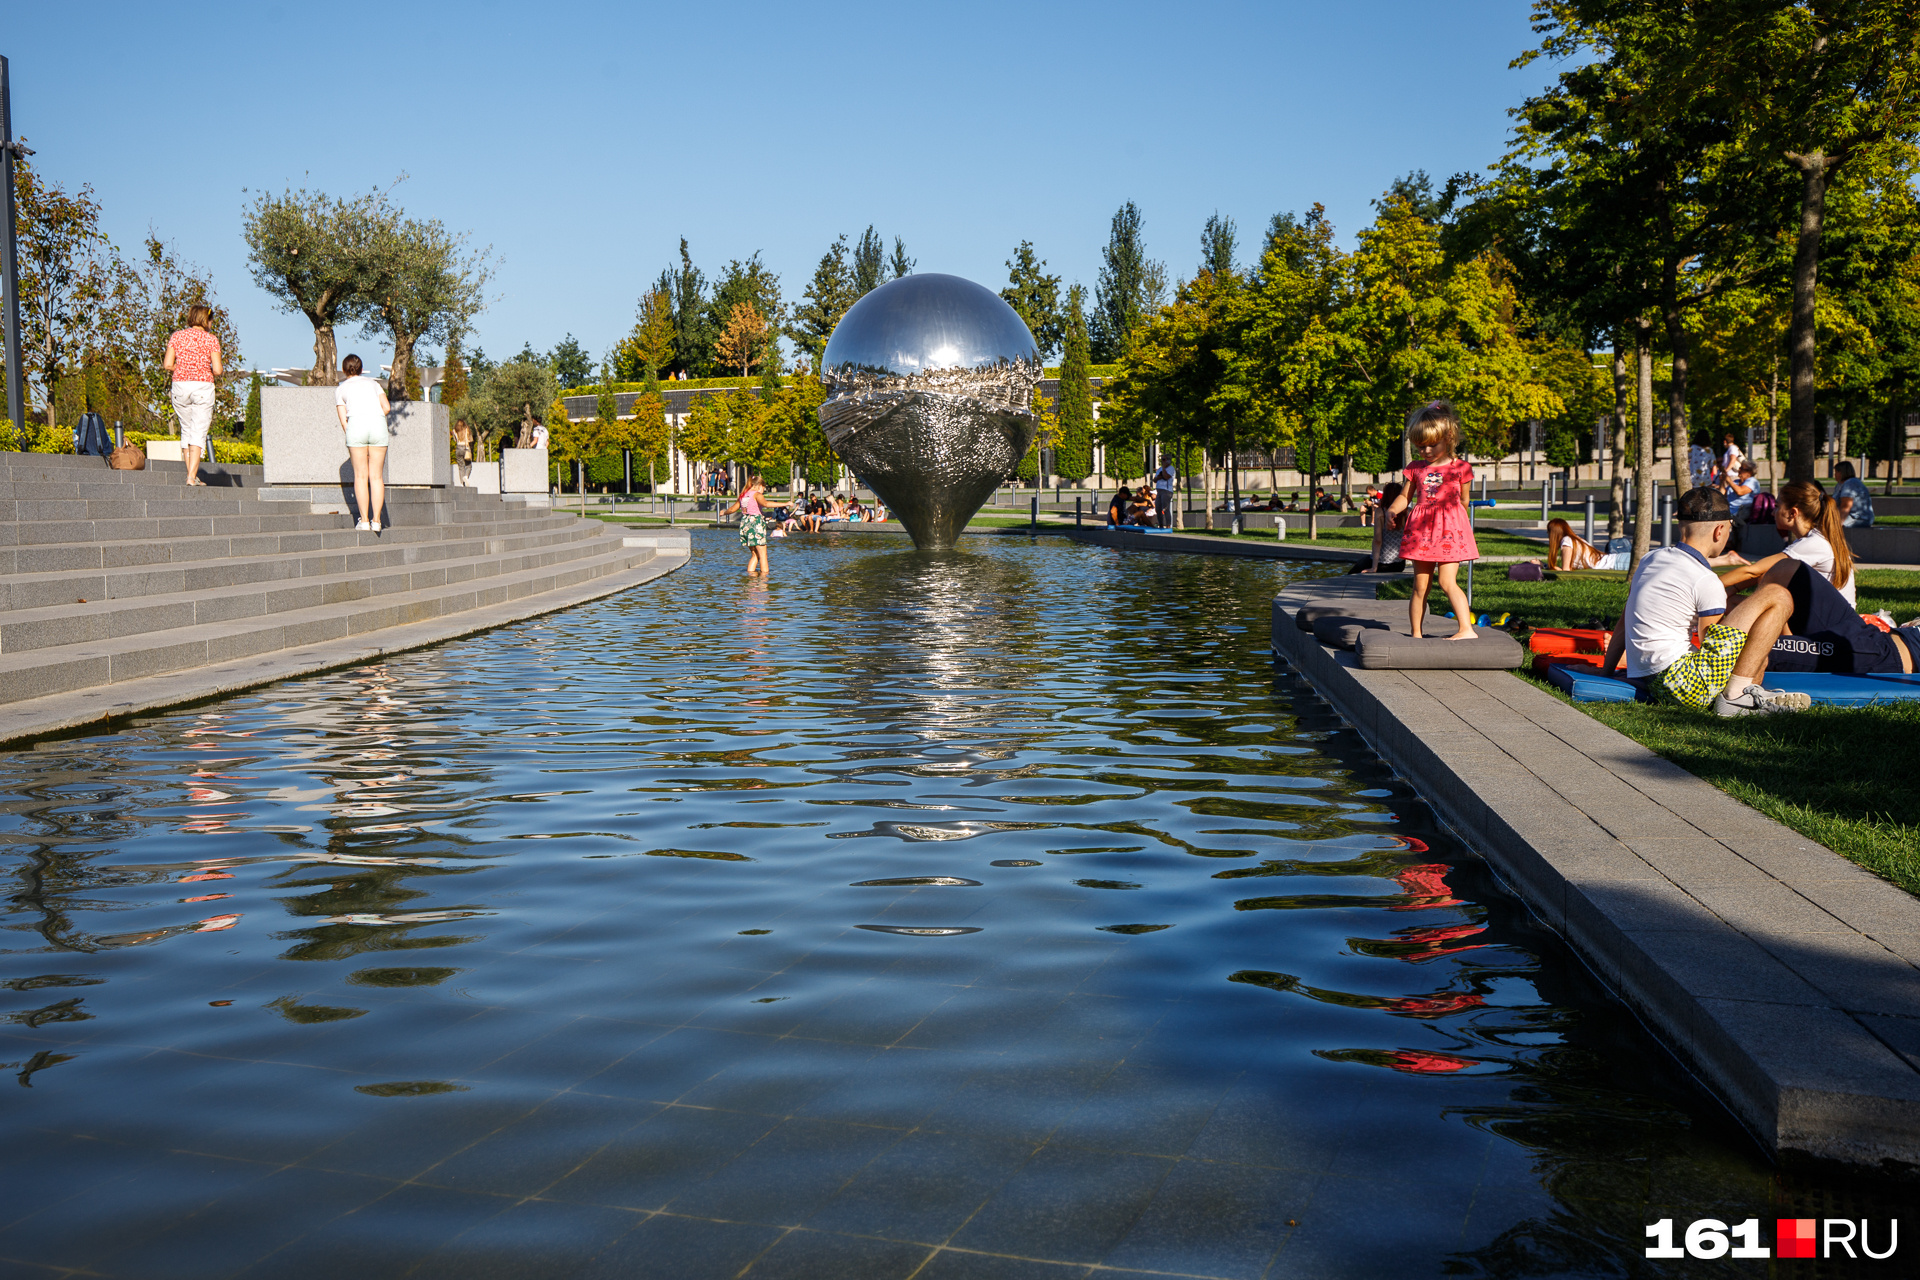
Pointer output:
930, 399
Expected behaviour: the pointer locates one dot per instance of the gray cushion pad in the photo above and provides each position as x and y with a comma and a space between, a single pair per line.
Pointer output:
1340, 630
1393, 649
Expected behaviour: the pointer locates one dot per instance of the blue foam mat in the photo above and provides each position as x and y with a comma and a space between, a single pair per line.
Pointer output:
1826, 689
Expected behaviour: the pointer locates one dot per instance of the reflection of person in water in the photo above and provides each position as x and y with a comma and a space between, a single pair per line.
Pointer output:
212, 924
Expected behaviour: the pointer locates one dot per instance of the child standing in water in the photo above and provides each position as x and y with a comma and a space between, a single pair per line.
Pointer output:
753, 522
1438, 535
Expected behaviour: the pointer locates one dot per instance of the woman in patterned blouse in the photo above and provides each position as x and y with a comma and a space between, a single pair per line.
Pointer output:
193, 358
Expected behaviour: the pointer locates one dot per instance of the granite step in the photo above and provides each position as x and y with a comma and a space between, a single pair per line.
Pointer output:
51, 557
146, 614
39, 672
95, 582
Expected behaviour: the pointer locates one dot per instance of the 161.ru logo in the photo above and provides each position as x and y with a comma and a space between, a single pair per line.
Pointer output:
1795, 1237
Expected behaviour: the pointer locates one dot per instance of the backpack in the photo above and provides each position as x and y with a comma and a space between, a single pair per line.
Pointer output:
1761, 512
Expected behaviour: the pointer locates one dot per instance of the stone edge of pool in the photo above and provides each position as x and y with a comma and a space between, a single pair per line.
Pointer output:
61, 713
1783, 975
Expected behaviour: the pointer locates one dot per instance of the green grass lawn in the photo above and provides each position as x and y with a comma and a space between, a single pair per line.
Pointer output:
1842, 776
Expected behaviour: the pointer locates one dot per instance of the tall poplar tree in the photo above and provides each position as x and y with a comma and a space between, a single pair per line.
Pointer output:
1130, 288
826, 299
1073, 407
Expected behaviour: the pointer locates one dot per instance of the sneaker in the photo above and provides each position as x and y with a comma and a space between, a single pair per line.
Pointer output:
363, 527
1754, 700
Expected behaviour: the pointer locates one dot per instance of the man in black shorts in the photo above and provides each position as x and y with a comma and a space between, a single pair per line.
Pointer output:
1827, 635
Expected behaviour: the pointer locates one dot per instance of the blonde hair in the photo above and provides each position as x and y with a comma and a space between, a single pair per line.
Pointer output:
200, 316
1436, 424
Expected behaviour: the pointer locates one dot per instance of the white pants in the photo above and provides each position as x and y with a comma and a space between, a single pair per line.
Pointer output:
193, 401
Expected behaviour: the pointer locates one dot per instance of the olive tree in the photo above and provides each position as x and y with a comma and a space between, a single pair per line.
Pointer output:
419, 285
313, 253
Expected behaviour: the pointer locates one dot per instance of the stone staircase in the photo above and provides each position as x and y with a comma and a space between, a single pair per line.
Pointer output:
116, 579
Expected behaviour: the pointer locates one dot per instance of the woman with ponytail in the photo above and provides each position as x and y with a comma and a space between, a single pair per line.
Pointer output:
1809, 523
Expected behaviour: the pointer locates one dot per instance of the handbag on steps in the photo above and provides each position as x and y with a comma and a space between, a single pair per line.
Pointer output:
128, 457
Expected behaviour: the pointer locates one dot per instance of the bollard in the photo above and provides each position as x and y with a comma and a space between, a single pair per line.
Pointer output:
1589, 533
1033, 516
1666, 521
119, 435
1546, 500
1076, 513
669, 510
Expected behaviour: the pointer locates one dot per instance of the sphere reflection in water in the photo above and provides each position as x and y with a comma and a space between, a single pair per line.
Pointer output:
930, 399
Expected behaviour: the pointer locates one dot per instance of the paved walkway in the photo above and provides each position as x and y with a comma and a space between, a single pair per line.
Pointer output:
1783, 974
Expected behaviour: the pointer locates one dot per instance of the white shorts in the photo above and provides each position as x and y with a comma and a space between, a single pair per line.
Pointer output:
193, 402
361, 435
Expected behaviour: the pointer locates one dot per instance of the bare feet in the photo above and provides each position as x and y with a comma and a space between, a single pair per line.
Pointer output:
1465, 633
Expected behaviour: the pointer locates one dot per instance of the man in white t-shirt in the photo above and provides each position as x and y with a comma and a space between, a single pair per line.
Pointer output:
1675, 593
1163, 484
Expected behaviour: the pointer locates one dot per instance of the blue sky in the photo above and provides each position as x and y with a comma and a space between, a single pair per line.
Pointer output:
580, 140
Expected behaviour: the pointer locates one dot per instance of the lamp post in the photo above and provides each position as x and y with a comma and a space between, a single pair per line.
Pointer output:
10, 151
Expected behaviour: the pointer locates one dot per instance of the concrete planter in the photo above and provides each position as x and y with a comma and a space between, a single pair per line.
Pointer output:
523, 471
302, 443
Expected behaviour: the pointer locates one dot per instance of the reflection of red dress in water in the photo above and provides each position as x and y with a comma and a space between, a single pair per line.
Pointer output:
1438, 529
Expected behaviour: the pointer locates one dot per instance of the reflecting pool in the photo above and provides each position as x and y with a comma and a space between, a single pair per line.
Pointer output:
1001, 913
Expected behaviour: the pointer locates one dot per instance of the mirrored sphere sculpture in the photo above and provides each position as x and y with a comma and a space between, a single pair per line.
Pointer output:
930, 399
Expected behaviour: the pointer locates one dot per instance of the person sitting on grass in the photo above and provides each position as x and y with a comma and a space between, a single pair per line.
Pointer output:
1675, 593
1794, 620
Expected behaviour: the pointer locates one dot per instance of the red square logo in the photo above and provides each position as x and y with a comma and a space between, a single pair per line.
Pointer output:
1796, 1238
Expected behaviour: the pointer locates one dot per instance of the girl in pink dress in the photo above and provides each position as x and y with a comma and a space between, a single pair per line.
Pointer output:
1438, 535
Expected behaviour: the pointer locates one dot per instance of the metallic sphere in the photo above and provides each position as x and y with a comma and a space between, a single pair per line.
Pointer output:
930, 399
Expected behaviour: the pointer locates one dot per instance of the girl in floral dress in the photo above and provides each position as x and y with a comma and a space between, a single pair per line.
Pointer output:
1438, 535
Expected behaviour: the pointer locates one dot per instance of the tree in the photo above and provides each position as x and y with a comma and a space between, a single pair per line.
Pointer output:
1815, 88
1073, 410
512, 391
573, 441
454, 383
606, 403
645, 433
795, 416
1035, 296
66, 276
827, 298
419, 284
869, 264
649, 348
1217, 244
743, 341
570, 363
902, 265
313, 252
747, 283
252, 430
1130, 288
692, 327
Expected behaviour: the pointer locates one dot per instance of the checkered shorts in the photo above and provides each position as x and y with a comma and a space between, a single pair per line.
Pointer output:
1697, 679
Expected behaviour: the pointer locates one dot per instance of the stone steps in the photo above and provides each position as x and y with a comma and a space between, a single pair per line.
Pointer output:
38, 672
133, 578
97, 584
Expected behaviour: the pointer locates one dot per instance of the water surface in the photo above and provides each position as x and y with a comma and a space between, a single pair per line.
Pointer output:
994, 914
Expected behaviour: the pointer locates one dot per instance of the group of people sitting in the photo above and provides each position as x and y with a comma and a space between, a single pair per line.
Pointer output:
1791, 611
820, 510
1138, 509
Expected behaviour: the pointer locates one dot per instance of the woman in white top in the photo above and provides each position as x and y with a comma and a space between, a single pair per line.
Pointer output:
1809, 522
362, 408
